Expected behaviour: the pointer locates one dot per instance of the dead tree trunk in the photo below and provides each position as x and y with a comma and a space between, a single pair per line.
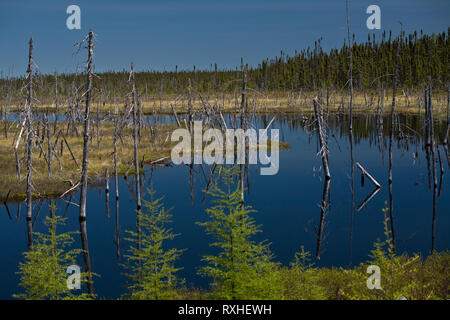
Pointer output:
84, 166
350, 70
448, 115
433, 159
136, 159
391, 137
55, 125
323, 146
189, 106
116, 182
243, 127
49, 147
139, 118
29, 123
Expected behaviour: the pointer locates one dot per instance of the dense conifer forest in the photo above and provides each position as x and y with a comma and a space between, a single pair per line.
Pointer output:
421, 57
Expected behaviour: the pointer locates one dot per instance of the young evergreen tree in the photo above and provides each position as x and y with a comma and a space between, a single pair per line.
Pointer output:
150, 266
238, 267
43, 274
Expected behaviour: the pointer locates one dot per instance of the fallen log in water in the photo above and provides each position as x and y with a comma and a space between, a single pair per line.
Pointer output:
375, 182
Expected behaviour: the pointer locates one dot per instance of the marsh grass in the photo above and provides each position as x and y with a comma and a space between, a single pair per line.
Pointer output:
68, 174
276, 102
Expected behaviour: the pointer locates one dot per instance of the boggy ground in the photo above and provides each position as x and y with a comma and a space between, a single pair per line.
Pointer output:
154, 149
65, 172
266, 102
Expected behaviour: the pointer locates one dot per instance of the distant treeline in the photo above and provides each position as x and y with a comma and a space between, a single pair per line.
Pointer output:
420, 56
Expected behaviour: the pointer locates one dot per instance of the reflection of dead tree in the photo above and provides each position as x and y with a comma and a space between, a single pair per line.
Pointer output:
5, 203
432, 148
366, 200
107, 191
445, 142
441, 176
323, 208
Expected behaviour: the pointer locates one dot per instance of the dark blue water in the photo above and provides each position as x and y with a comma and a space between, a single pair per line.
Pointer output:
288, 205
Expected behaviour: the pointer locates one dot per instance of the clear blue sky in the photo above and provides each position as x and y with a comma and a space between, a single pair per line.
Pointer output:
158, 34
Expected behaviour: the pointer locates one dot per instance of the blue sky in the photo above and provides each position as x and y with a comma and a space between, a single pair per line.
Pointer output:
157, 35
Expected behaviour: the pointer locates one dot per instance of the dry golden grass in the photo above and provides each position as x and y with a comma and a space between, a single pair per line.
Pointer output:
274, 102
68, 174
65, 172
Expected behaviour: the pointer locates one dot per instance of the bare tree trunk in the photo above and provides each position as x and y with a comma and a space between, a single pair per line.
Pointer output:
139, 118
116, 182
433, 159
189, 106
49, 147
136, 159
350, 70
448, 115
243, 127
391, 137
29, 122
55, 125
84, 168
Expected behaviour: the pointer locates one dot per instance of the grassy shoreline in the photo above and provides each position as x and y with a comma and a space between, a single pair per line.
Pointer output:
65, 172
275, 103
154, 149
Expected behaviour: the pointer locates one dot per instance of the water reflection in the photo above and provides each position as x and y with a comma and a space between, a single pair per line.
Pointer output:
286, 202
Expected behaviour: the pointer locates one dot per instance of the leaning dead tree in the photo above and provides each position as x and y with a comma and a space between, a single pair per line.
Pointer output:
29, 125
323, 145
368, 175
